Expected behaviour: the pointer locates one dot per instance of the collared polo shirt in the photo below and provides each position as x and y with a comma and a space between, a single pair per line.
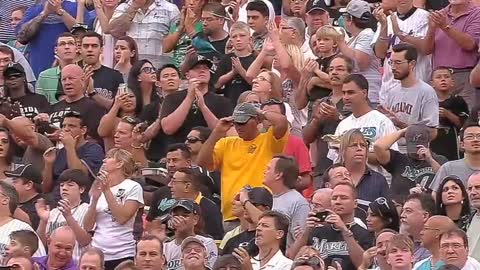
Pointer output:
278, 261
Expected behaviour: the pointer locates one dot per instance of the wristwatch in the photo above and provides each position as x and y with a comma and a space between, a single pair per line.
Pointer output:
60, 12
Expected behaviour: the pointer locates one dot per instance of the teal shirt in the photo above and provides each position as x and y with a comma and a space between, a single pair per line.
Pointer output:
180, 49
427, 265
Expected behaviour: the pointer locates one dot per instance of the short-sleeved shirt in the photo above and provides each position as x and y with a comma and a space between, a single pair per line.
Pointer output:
330, 243
181, 47
468, 23
90, 154
29, 208
32, 104
243, 163
106, 82
363, 43
295, 207
416, 104
407, 172
173, 253
459, 168
238, 85
43, 44
107, 227
87, 107
446, 142
150, 28
48, 84
371, 186
413, 23
219, 106
6, 8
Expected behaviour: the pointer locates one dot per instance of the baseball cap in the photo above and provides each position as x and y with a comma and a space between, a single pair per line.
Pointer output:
316, 5
358, 9
80, 27
261, 196
200, 60
191, 239
243, 112
27, 172
416, 134
14, 68
74, 175
188, 205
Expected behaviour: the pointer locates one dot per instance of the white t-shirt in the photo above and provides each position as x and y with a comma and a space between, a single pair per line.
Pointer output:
471, 264
473, 234
416, 25
363, 42
373, 125
16, 225
173, 253
116, 240
57, 220
277, 262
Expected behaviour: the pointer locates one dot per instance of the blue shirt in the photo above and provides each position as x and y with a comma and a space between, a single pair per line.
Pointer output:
41, 262
91, 155
372, 185
43, 44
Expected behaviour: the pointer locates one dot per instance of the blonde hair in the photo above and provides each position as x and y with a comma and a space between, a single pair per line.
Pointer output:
345, 141
400, 241
328, 31
240, 26
276, 82
296, 55
129, 167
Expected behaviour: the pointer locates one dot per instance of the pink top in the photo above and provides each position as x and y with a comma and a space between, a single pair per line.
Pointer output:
447, 53
296, 148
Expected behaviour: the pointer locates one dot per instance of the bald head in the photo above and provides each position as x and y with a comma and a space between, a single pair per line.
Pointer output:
63, 233
441, 223
73, 85
473, 190
60, 247
321, 199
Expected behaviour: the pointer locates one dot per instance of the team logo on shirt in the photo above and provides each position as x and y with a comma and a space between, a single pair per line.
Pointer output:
329, 248
119, 197
251, 149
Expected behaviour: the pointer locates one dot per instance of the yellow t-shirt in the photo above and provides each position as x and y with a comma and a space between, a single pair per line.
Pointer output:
244, 163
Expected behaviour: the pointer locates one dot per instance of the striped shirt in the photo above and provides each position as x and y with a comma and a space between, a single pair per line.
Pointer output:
57, 220
47, 84
416, 24
150, 28
6, 8
16, 225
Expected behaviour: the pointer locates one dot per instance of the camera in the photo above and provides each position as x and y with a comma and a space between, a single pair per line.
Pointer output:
322, 216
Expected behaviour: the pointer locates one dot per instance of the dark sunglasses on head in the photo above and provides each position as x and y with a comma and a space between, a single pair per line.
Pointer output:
193, 140
149, 70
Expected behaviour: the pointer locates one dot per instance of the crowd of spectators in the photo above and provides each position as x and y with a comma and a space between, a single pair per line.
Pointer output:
240, 134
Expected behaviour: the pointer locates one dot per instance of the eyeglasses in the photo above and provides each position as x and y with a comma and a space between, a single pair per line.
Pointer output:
193, 140
272, 101
313, 261
262, 79
190, 249
471, 136
208, 19
454, 246
148, 70
397, 62
430, 229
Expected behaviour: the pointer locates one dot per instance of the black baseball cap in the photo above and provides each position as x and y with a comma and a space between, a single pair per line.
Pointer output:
74, 175
200, 60
188, 205
260, 196
316, 5
27, 172
14, 68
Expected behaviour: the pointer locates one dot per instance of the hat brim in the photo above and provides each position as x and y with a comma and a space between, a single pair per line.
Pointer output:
206, 62
191, 240
317, 8
182, 207
12, 174
412, 148
241, 119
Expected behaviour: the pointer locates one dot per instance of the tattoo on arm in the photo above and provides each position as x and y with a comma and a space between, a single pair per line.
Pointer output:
30, 29
120, 25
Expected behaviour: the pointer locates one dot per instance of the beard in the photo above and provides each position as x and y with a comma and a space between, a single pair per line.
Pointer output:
401, 76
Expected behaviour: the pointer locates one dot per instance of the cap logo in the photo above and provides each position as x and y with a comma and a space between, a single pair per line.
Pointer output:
417, 137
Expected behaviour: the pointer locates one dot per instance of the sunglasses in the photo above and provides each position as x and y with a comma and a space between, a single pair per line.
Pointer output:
130, 120
149, 70
193, 140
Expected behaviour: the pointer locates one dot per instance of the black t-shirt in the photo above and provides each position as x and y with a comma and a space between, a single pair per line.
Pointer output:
29, 208
407, 172
318, 92
218, 53
158, 145
243, 239
106, 81
88, 108
238, 85
32, 104
436, 4
331, 244
446, 143
161, 203
220, 107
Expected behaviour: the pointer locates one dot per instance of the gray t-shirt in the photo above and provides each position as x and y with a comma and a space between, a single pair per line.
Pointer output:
417, 104
363, 43
456, 167
296, 207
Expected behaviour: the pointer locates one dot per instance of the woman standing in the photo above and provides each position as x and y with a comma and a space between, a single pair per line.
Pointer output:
141, 81
114, 202
125, 55
453, 201
7, 150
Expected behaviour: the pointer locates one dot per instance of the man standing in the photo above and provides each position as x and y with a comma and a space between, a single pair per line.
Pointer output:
147, 22
414, 101
105, 79
41, 26
243, 159
430, 236
280, 177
